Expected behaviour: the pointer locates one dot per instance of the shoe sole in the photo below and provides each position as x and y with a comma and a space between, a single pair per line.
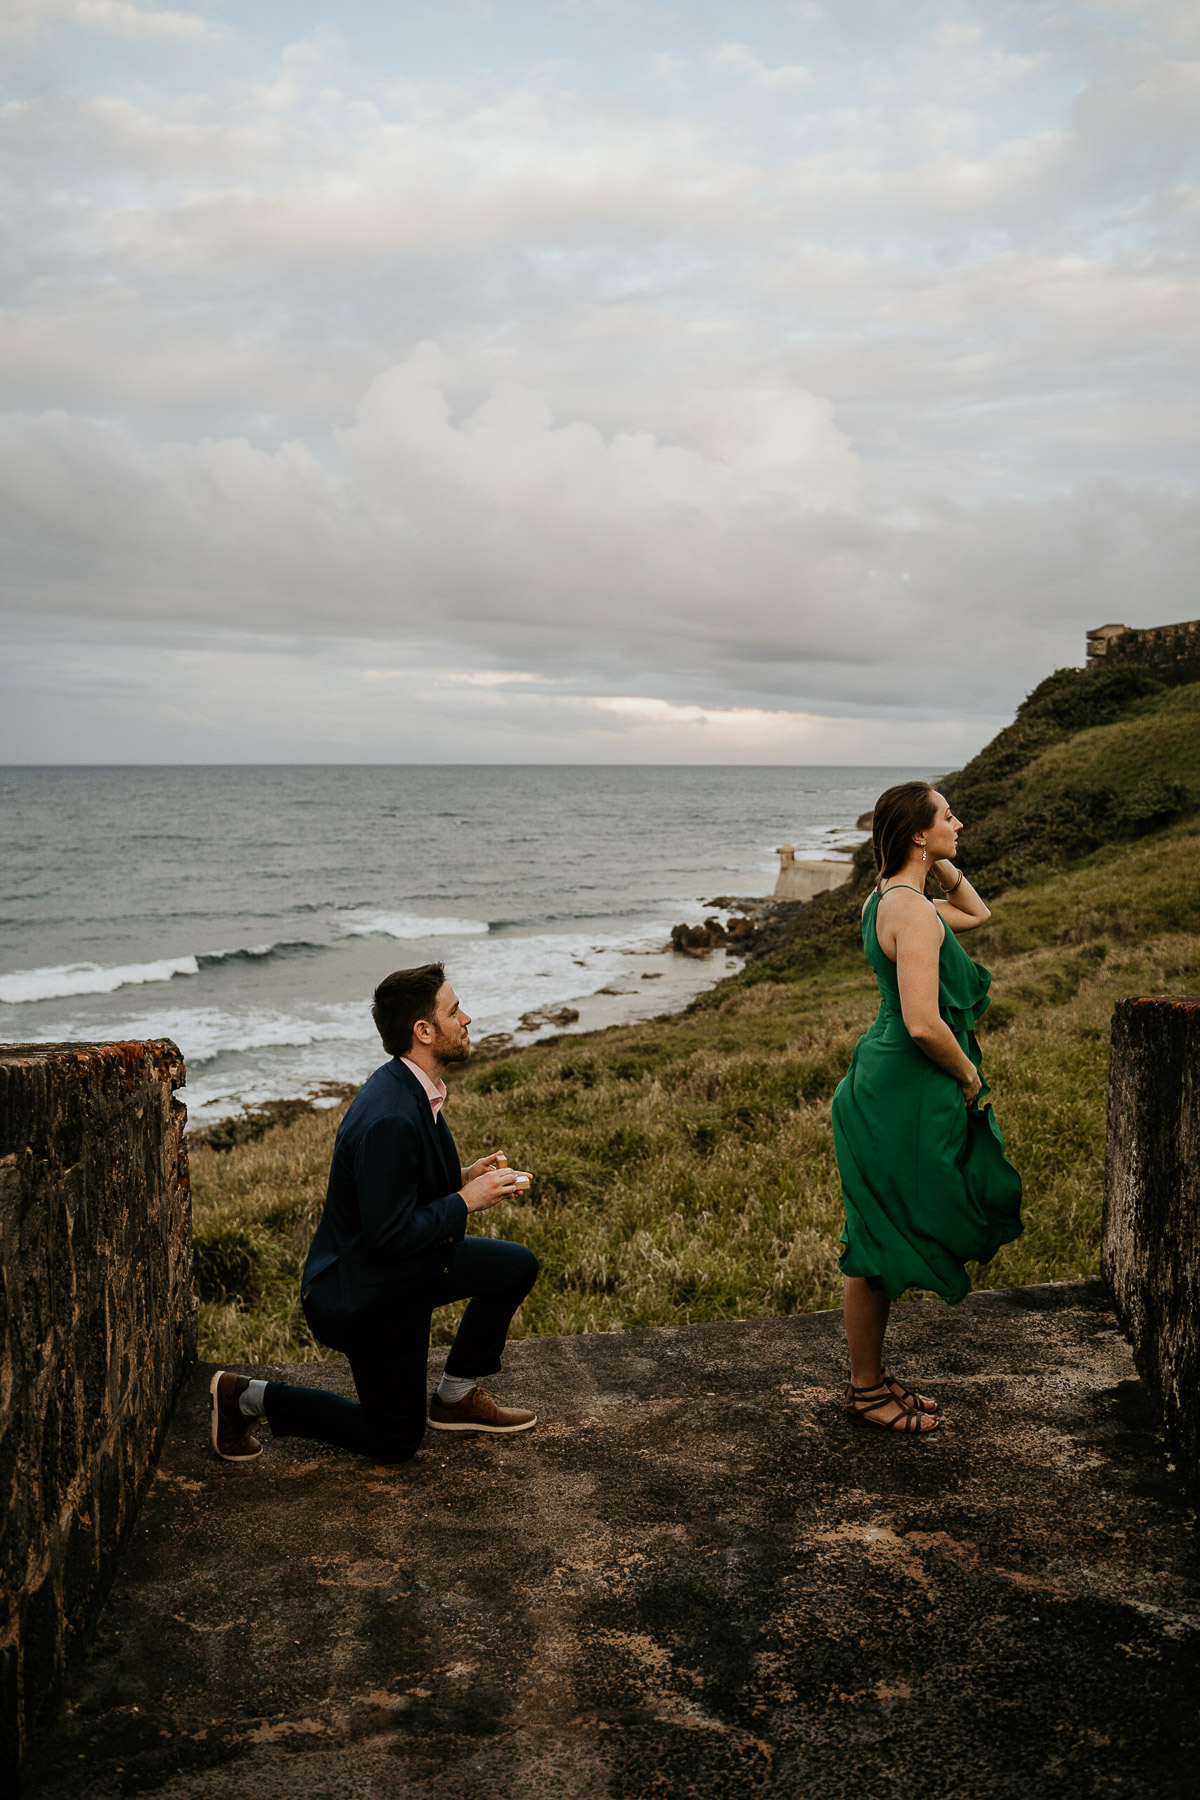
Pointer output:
494, 1430
214, 1419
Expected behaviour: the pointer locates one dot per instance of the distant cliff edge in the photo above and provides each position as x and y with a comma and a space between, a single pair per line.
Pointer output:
1100, 755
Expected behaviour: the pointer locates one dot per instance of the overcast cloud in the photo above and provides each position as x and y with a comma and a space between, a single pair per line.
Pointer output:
585, 381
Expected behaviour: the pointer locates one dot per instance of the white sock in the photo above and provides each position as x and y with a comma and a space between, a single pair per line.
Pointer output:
453, 1388
252, 1400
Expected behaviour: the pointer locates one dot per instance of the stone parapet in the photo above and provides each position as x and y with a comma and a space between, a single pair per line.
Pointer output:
805, 880
1170, 652
97, 1328
1151, 1232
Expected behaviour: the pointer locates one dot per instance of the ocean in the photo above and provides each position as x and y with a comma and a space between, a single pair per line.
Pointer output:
247, 912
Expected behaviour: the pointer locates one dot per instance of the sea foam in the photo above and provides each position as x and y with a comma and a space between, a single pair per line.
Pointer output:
66, 980
89, 978
365, 923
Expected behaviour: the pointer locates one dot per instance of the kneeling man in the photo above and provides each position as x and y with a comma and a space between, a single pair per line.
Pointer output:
391, 1247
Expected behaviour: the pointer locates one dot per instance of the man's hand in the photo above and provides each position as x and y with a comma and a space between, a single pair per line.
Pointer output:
494, 1184
497, 1160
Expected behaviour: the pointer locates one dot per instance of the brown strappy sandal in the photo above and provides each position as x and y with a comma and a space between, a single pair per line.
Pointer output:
919, 1402
908, 1419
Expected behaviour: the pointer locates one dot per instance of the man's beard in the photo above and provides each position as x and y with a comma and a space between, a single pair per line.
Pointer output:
451, 1050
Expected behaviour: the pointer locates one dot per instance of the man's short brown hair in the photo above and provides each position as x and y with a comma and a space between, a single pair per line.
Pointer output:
401, 999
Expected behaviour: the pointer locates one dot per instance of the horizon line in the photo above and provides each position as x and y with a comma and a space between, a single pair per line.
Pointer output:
14, 767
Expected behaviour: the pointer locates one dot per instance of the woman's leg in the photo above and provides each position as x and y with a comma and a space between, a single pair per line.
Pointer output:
865, 1310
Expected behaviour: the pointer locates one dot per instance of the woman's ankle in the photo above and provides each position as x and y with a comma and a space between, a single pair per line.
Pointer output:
858, 1380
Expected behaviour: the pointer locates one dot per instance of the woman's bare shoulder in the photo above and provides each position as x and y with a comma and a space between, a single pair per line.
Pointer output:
912, 917
908, 897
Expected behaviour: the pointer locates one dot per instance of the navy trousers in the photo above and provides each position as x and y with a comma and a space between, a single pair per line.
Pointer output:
389, 1353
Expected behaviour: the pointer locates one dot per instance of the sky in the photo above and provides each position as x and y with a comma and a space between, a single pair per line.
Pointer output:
585, 380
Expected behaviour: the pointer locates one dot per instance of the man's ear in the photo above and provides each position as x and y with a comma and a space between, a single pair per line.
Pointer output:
423, 1031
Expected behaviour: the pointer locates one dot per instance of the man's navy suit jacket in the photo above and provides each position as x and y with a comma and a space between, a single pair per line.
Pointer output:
392, 1212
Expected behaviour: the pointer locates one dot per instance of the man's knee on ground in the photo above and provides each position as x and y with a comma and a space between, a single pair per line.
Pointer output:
394, 1448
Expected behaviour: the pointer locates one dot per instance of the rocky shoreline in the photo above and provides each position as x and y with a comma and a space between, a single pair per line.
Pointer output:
763, 925
755, 925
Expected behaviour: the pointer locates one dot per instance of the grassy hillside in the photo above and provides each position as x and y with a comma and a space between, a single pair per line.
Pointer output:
1106, 782
1090, 760
684, 1167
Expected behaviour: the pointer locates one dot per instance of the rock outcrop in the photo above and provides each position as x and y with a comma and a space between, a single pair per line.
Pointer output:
538, 1019
699, 940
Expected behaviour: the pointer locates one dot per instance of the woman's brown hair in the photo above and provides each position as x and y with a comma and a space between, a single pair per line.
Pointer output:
899, 812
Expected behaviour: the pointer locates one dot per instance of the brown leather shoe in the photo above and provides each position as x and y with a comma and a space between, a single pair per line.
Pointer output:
477, 1411
232, 1432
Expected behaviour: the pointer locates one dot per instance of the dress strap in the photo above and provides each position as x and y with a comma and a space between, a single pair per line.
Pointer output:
899, 884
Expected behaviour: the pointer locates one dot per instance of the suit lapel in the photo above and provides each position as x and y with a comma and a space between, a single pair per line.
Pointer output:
437, 1136
449, 1152
434, 1138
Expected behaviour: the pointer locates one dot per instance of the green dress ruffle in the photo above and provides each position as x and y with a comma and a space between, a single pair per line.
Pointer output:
925, 1180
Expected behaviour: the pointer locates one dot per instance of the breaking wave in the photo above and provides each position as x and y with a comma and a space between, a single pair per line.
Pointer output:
365, 923
67, 980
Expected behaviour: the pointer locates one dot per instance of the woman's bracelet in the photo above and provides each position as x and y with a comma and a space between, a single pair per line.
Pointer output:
947, 891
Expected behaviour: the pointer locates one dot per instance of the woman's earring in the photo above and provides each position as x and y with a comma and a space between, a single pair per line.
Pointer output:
923, 857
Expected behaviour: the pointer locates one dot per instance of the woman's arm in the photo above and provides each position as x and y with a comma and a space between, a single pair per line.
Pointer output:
918, 947
965, 910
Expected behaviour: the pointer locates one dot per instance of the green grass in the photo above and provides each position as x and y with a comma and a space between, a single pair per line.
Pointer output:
1161, 735
684, 1167
1047, 798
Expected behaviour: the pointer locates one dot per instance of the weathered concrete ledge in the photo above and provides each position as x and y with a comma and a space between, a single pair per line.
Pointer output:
697, 1578
97, 1325
1151, 1230
805, 880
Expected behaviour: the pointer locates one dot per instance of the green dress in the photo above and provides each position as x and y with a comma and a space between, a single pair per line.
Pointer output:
925, 1180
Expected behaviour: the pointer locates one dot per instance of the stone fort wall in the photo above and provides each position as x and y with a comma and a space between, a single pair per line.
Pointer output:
1172, 652
1150, 1240
97, 1326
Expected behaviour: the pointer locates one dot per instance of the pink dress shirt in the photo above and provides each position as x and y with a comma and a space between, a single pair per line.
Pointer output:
435, 1089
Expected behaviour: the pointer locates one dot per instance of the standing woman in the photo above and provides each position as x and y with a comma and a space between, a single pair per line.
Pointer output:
925, 1180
